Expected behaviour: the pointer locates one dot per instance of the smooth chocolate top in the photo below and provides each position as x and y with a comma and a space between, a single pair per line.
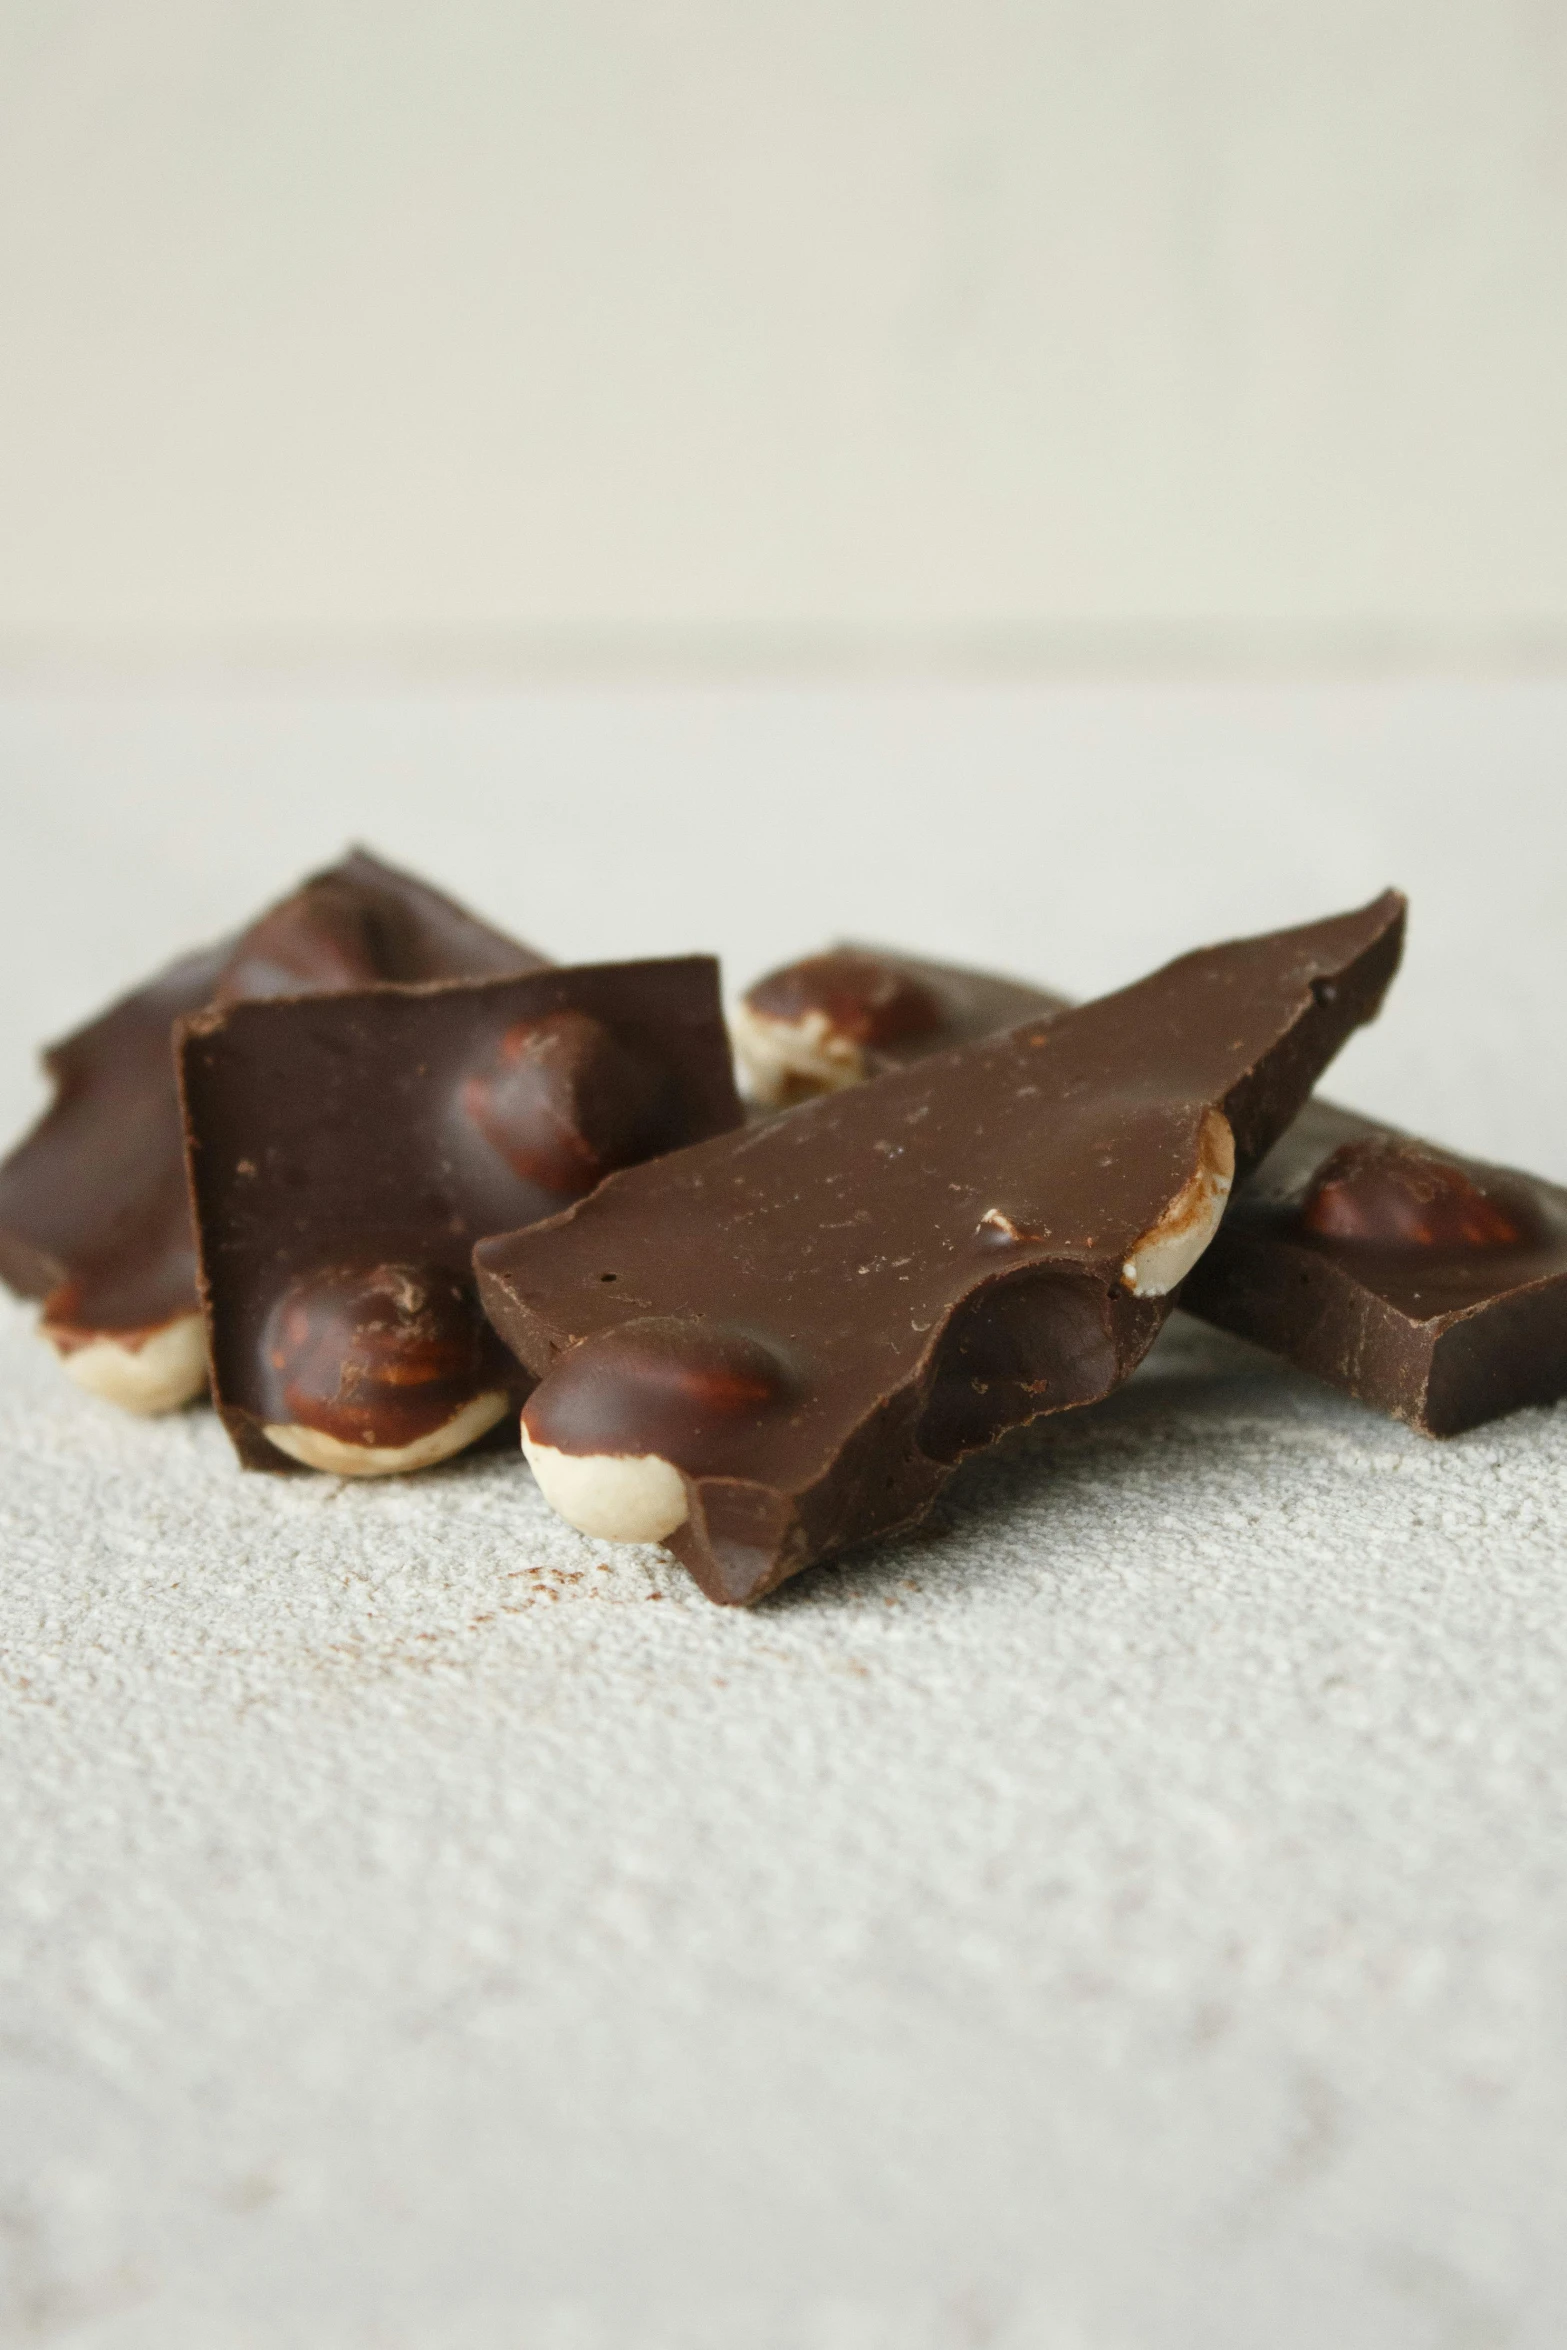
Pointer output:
380, 1134
93, 1208
1430, 1285
936, 1257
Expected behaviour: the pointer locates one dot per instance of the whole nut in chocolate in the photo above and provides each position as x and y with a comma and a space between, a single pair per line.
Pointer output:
369, 1371
993, 1232
1397, 1194
603, 1434
1427, 1285
808, 1028
835, 1019
148, 1370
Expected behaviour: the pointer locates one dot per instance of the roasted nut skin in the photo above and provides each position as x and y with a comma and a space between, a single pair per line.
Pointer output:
379, 1355
1385, 1192
564, 1101
861, 999
824, 1023
664, 1386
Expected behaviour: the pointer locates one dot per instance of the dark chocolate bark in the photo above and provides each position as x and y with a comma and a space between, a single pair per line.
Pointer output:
809, 1324
347, 1151
1431, 1286
93, 1210
855, 1012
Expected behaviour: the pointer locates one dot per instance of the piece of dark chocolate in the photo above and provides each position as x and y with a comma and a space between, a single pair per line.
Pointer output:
1431, 1286
1332, 1265
94, 1217
834, 1019
764, 1349
347, 1151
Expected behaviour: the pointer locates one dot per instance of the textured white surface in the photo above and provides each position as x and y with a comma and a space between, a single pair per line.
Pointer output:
1128, 1916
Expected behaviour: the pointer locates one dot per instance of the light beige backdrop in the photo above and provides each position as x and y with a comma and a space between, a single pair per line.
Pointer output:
946, 327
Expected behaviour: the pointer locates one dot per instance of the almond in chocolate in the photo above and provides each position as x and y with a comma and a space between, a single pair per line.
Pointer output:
564, 1101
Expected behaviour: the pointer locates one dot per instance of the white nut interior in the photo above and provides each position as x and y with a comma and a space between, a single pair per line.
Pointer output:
1168, 1250
615, 1497
314, 1449
147, 1375
781, 1059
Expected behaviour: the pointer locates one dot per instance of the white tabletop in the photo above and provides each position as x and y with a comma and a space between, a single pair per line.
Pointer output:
1130, 1912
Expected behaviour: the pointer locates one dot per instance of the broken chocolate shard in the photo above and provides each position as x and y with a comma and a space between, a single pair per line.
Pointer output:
1427, 1285
835, 1019
94, 1217
347, 1151
924, 1263
1398, 1214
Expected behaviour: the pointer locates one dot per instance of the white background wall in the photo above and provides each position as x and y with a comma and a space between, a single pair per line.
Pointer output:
961, 326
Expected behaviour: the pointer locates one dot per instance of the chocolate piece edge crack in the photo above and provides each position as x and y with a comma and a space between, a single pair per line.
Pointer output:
776, 1345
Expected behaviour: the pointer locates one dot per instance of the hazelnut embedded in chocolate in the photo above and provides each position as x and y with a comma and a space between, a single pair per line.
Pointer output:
154, 1368
563, 1101
1395, 1194
809, 1027
615, 1423
1169, 1248
966, 1219
94, 1209
369, 1371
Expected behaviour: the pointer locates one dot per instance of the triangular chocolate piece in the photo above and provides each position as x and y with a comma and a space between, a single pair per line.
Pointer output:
779, 1343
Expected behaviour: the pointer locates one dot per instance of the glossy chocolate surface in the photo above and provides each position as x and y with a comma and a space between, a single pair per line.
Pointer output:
1430, 1286
685, 1390
94, 1216
930, 1260
339, 1144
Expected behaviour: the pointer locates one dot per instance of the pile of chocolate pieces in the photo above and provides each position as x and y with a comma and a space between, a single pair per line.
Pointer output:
384, 1181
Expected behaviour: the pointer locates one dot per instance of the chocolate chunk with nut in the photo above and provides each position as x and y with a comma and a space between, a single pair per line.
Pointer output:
784, 1341
1428, 1285
347, 1151
94, 1218
834, 1019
